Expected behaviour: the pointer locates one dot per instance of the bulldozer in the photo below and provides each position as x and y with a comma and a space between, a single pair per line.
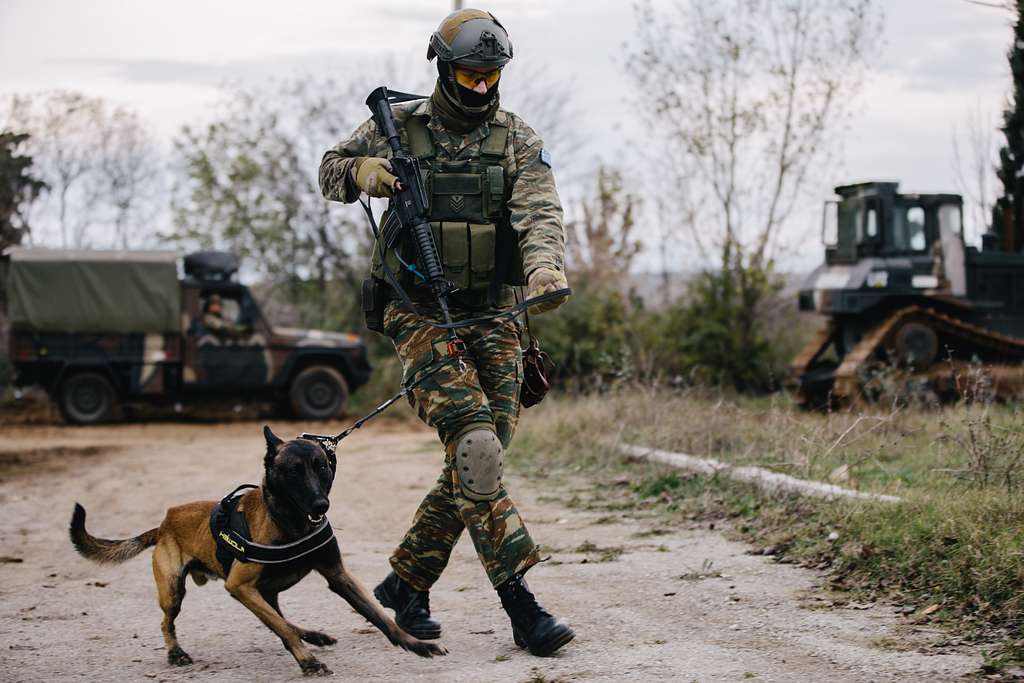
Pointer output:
908, 304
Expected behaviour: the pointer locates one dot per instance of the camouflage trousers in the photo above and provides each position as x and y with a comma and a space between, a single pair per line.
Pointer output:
453, 401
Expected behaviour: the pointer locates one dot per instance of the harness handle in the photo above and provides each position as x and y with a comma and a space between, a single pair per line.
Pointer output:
227, 499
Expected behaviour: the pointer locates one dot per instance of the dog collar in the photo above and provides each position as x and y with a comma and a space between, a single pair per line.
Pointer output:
234, 542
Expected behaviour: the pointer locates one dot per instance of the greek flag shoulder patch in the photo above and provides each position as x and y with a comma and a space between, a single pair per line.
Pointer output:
545, 157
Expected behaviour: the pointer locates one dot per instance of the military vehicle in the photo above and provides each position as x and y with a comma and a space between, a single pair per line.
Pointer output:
96, 328
902, 291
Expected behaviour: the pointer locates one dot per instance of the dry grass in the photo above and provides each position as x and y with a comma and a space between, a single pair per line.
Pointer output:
884, 450
956, 542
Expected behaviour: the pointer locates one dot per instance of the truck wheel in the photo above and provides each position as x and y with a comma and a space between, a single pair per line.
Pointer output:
916, 344
318, 393
87, 398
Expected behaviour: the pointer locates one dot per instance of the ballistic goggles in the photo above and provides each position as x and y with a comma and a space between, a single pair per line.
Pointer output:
468, 78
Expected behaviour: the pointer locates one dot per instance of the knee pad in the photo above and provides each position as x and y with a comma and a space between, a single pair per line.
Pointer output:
478, 457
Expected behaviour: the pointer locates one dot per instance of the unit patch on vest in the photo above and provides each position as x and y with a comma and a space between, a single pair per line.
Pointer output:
457, 203
545, 157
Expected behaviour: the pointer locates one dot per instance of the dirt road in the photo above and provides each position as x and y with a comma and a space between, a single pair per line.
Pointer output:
682, 605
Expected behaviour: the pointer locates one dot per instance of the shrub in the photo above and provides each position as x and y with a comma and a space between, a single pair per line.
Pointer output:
717, 334
589, 338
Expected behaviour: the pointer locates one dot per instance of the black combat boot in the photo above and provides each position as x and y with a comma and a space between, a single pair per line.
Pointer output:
532, 627
412, 607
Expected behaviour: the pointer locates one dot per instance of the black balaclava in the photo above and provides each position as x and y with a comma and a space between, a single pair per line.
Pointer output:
460, 109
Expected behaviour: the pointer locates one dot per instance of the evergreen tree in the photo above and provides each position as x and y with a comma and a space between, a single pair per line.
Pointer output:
17, 188
1010, 207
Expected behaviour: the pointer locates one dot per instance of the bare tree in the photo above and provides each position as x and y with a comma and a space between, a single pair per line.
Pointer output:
550, 109
64, 141
974, 163
98, 160
130, 175
749, 93
747, 96
1008, 5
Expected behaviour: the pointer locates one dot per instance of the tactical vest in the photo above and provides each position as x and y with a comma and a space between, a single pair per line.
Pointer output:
467, 199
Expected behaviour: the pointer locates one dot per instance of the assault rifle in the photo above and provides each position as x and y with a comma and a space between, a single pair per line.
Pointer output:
408, 212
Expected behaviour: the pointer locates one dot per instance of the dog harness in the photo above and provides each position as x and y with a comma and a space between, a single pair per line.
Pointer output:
230, 530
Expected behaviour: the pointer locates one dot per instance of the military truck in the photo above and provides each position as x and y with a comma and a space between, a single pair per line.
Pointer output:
95, 328
901, 289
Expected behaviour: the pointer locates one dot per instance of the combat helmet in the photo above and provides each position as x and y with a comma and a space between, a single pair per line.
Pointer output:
471, 38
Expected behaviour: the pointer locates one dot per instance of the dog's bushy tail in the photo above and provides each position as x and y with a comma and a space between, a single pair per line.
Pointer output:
103, 550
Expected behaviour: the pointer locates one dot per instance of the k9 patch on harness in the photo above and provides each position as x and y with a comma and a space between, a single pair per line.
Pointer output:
545, 157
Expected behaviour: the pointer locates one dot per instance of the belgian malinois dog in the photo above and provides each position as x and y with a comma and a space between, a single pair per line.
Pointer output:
290, 503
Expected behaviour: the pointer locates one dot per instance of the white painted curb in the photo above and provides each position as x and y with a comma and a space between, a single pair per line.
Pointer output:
767, 480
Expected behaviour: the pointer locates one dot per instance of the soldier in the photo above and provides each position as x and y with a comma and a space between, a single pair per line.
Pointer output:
939, 266
213, 320
497, 222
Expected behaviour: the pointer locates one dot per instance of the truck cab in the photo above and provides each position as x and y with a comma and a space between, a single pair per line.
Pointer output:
95, 328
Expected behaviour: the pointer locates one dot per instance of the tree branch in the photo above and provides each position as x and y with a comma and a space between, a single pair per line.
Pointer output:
992, 5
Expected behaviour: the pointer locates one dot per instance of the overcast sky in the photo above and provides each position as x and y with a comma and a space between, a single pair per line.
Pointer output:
937, 60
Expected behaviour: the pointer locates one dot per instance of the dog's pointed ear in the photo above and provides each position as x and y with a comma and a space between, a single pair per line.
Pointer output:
273, 445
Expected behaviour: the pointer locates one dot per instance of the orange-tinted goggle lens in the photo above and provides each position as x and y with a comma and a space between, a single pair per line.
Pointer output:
468, 78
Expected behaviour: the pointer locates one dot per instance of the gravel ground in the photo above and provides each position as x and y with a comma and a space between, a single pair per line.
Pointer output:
683, 605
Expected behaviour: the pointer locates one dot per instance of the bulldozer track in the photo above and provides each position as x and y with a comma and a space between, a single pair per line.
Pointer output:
821, 339
794, 377
846, 379
1006, 351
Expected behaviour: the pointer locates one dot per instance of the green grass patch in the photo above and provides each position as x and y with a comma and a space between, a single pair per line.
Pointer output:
660, 484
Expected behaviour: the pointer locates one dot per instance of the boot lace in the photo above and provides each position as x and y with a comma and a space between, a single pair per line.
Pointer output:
525, 603
412, 601
420, 602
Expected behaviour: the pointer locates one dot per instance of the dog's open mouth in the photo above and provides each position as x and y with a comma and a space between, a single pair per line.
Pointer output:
315, 519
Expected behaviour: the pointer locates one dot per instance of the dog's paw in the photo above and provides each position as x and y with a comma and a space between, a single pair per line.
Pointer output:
314, 667
424, 649
318, 638
178, 657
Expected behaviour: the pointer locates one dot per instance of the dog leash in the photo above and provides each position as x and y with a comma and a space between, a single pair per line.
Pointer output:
330, 442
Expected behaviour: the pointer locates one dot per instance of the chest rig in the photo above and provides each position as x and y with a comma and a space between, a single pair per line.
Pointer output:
234, 542
467, 198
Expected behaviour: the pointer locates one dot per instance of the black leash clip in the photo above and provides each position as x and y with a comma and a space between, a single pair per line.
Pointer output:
328, 443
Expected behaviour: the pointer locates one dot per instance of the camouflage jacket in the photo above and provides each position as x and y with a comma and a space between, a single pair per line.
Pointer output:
534, 207
224, 328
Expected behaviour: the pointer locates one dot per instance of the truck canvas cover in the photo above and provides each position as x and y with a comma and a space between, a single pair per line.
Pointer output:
117, 292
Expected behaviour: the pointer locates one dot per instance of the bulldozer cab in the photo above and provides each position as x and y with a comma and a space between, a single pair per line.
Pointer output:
874, 220
908, 302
